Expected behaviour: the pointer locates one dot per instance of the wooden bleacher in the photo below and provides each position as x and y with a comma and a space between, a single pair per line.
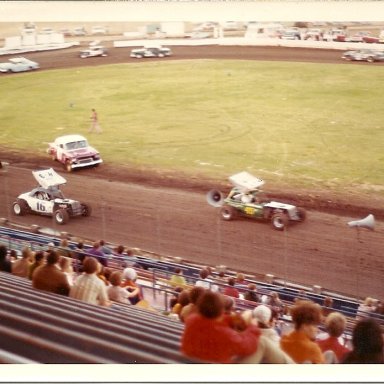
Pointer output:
40, 327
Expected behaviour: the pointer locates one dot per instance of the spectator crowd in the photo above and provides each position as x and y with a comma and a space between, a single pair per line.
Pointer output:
215, 329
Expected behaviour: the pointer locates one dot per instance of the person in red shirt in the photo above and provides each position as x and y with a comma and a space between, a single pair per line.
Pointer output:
207, 338
335, 324
230, 289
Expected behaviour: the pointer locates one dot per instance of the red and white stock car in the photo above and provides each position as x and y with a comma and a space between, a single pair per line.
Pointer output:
73, 151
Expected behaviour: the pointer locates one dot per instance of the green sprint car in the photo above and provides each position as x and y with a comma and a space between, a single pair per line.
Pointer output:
246, 199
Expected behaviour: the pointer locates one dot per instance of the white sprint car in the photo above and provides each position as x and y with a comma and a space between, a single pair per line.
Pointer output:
48, 200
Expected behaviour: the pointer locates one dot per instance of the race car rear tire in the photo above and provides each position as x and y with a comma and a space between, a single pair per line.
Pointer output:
86, 210
61, 216
20, 207
279, 221
227, 212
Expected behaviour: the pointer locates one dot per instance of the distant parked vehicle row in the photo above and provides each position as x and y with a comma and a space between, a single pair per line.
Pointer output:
78, 31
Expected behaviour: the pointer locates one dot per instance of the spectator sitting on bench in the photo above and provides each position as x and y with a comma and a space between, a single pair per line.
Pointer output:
194, 295
299, 343
5, 263
21, 266
205, 282
49, 277
335, 324
182, 301
230, 289
208, 339
39, 259
177, 279
116, 292
88, 287
266, 318
129, 283
367, 343
251, 293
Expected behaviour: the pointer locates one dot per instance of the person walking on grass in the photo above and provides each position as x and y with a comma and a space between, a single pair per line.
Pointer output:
95, 126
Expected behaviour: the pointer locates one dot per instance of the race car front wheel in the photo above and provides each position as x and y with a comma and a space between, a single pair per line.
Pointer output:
61, 216
227, 212
86, 210
279, 221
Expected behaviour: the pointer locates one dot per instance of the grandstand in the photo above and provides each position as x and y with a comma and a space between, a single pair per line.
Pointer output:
70, 331
40, 327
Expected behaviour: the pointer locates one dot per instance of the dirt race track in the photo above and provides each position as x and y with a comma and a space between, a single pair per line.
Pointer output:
168, 214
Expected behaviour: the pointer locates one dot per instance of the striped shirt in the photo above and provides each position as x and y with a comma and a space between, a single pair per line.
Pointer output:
89, 288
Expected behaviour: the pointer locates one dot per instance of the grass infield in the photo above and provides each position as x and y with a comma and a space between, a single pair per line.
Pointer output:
307, 124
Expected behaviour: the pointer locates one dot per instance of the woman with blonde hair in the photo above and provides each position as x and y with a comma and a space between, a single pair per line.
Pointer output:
366, 308
335, 324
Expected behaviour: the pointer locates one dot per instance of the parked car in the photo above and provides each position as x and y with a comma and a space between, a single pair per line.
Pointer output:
369, 55
232, 26
199, 35
94, 50
314, 34
99, 30
247, 200
335, 34
207, 26
73, 151
18, 64
369, 38
48, 200
291, 34
151, 51
79, 31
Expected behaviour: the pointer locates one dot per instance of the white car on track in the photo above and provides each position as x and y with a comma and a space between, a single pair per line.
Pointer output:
151, 51
94, 50
18, 64
48, 200
74, 151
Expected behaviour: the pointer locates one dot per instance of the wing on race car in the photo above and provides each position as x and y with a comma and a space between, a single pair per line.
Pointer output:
245, 182
48, 178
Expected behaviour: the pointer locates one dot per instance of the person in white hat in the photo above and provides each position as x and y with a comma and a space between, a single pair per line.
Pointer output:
129, 282
263, 315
